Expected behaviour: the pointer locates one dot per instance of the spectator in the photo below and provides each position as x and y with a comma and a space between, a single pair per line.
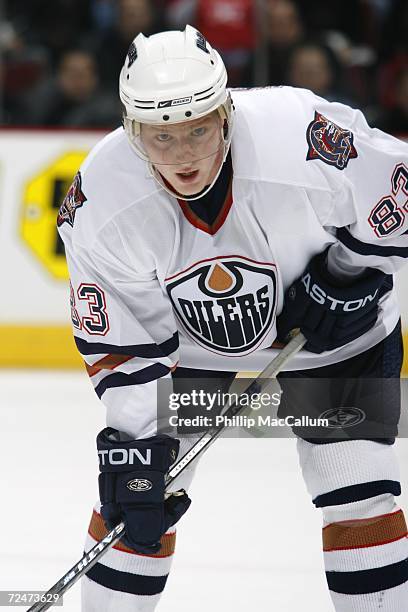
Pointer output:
395, 120
369, 38
314, 66
103, 13
180, 12
21, 67
55, 25
73, 97
394, 53
111, 46
229, 25
284, 29
395, 31
351, 18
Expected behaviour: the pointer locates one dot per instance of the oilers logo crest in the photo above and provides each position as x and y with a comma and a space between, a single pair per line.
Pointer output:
329, 142
226, 304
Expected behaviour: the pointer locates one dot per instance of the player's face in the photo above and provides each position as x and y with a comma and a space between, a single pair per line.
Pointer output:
188, 155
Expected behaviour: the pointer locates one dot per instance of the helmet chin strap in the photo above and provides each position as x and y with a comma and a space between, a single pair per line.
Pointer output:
170, 190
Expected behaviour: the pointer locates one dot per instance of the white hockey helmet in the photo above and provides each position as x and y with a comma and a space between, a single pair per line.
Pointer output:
173, 77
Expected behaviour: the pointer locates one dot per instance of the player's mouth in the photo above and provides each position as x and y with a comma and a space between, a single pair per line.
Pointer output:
188, 176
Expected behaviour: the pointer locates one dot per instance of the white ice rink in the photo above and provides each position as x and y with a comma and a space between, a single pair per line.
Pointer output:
251, 541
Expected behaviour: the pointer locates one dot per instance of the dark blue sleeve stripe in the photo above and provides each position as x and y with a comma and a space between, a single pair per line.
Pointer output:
364, 248
125, 581
368, 581
357, 492
118, 379
136, 350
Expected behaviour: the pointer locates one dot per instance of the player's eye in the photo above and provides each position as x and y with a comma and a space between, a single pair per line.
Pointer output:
163, 137
200, 131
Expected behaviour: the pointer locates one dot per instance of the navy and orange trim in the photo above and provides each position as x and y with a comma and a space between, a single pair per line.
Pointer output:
197, 222
97, 530
110, 362
139, 377
365, 248
365, 533
147, 351
125, 582
368, 581
357, 492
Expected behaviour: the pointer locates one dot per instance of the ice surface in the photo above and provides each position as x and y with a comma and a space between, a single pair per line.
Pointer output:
251, 540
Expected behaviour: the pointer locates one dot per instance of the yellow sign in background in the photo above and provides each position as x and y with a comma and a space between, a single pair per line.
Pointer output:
43, 195
37, 169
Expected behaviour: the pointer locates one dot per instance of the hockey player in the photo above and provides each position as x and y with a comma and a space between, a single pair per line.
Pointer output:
214, 219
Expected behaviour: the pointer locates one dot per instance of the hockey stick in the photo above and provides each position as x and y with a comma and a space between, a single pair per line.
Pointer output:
92, 556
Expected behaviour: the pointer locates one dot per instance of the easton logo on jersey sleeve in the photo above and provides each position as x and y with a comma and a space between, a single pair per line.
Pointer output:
329, 142
225, 304
74, 199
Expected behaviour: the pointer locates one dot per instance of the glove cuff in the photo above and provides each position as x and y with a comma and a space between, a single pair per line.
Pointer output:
156, 454
328, 291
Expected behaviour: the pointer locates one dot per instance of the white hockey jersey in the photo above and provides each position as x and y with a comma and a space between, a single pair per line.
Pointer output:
153, 286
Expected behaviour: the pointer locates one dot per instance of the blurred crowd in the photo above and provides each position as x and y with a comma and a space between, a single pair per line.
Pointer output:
60, 59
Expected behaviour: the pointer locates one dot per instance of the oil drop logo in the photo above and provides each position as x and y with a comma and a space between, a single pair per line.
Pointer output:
226, 304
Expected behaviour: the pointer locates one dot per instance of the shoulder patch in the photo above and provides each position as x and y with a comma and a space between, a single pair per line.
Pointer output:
74, 199
329, 142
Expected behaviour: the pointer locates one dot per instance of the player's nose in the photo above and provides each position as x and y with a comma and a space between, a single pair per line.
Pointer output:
185, 151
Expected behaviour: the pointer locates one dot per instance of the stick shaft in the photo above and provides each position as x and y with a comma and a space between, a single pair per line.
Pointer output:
93, 555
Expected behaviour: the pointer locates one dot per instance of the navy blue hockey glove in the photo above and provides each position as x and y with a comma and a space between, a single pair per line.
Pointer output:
131, 487
328, 313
